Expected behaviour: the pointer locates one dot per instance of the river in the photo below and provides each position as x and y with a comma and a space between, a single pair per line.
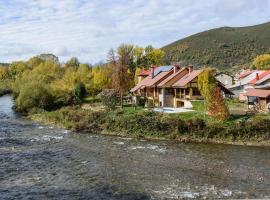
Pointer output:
44, 162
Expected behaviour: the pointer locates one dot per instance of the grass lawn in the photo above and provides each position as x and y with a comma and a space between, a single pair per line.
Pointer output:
198, 112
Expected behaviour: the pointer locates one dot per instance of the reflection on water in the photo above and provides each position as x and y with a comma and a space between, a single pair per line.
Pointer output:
44, 162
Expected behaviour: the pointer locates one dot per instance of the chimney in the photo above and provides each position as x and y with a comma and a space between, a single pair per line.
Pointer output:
257, 76
190, 68
152, 71
175, 68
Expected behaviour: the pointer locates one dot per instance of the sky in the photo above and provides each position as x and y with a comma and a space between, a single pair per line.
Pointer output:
87, 29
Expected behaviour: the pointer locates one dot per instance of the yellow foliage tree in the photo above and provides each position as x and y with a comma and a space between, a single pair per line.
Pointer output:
101, 77
262, 61
3, 72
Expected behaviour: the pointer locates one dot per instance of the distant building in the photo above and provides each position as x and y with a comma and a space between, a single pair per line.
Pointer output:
250, 80
225, 79
258, 100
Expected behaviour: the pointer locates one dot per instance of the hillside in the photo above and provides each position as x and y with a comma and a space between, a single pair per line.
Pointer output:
222, 47
4, 64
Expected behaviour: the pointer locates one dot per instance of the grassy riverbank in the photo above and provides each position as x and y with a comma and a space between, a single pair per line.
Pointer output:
188, 127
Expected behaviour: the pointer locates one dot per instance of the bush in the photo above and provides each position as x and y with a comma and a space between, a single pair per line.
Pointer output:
150, 103
141, 101
34, 95
79, 90
109, 98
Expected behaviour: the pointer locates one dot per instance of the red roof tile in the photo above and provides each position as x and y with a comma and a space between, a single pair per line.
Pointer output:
258, 93
262, 75
149, 81
187, 78
171, 77
243, 75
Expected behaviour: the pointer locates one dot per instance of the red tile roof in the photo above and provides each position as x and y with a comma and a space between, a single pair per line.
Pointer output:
149, 81
258, 93
243, 75
262, 75
187, 78
170, 77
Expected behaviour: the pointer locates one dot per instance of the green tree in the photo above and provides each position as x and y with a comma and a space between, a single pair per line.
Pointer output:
72, 63
17, 68
79, 90
35, 94
207, 83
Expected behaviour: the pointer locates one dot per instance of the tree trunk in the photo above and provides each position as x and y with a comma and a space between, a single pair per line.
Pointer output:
121, 100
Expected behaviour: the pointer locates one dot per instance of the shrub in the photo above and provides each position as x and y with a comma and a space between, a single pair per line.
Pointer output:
141, 101
150, 103
79, 90
109, 98
34, 95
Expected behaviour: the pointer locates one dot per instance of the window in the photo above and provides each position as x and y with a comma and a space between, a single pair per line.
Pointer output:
196, 92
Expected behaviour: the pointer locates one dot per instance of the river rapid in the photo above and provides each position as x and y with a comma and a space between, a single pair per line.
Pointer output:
44, 162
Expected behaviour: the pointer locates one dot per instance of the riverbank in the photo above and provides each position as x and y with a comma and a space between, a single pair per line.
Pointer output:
142, 123
5, 87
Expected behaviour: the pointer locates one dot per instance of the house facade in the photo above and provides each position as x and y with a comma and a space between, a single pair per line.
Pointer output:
171, 86
258, 100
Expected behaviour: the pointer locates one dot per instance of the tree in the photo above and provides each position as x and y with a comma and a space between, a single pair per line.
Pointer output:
72, 63
17, 68
152, 56
63, 88
207, 83
120, 68
79, 90
35, 94
35, 61
217, 107
262, 61
212, 94
48, 56
101, 78
3, 72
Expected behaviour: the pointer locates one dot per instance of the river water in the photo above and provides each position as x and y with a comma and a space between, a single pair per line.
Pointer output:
44, 162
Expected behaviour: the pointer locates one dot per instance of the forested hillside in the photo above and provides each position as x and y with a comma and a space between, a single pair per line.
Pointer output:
222, 47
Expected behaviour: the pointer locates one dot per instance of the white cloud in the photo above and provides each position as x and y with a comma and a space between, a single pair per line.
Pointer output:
88, 29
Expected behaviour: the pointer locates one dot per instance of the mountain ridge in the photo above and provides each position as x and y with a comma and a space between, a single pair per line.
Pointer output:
223, 47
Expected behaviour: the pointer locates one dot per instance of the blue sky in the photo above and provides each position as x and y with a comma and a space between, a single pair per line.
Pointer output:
87, 29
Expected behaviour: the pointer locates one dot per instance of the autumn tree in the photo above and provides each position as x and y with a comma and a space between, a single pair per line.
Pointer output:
153, 56
35, 61
17, 68
212, 94
3, 71
101, 78
120, 62
262, 61
217, 106
72, 63
207, 83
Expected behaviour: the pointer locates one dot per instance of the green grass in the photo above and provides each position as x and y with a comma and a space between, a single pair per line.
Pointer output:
91, 99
